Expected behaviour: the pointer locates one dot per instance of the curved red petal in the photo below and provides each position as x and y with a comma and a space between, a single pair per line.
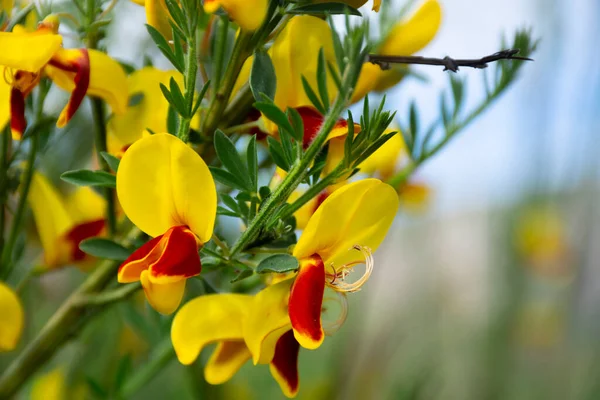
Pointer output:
81, 68
179, 258
18, 123
306, 300
312, 121
81, 232
284, 366
140, 260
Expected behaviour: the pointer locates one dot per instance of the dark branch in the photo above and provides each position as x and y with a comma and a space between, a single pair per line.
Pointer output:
449, 64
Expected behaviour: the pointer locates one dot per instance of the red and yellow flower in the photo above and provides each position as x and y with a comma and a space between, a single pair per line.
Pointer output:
11, 318
167, 191
271, 326
26, 56
64, 221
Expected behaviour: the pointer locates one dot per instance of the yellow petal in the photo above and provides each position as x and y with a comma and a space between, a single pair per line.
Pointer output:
150, 113
52, 219
376, 5
248, 14
359, 213
4, 103
27, 51
293, 58
163, 297
85, 204
386, 158
50, 386
226, 360
411, 35
267, 320
157, 16
163, 183
139, 2
107, 78
7, 6
11, 318
208, 319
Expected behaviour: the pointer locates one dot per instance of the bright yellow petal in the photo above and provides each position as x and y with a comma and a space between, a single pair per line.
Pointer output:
27, 51
414, 33
139, 2
11, 318
386, 158
208, 319
359, 213
267, 320
367, 81
4, 103
164, 297
150, 113
52, 219
376, 5
163, 183
248, 14
226, 360
7, 6
107, 78
293, 58
50, 386
157, 16
85, 204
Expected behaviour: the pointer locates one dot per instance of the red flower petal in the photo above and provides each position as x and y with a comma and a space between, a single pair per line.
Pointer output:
306, 300
81, 68
313, 120
82, 232
18, 123
284, 366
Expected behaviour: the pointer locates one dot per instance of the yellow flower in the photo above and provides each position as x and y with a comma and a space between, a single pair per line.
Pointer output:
63, 222
271, 326
385, 160
149, 114
11, 318
26, 55
167, 191
406, 37
50, 386
248, 14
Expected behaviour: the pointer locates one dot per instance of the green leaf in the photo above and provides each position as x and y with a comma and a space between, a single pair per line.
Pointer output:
85, 177
245, 273
165, 48
322, 79
324, 9
262, 76
172, 121
278, 263
297, 123
252, 161
312, 96
274, 113
227, 178
104, 248
231, 160
112, 161
264, 192
277, 154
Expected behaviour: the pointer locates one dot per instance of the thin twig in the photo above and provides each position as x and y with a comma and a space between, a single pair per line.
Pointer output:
449, 63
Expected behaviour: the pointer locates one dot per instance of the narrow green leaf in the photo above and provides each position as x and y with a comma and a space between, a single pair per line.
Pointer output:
277, 154
165, 48
172, 121
297, 124
278, 263
272, 112
112, 161
324, 9
85, 177
252, 161
322, 79
414, 119
104, 248
227, 178
312, 96
225, 212
230, 159
230, 202
246, 273
262, 77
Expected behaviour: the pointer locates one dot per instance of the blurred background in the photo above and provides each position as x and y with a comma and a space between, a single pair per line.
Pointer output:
491, 290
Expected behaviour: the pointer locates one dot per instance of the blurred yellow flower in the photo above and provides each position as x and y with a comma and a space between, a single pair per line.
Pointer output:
11, 318
63, 222
248, 14
167, 191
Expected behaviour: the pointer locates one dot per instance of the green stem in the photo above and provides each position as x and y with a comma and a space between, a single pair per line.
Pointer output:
113, 296
242, 128
162, 354
313, 191
100, 123
4, 164
219, 101
6, 262
190, 73
63, 325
